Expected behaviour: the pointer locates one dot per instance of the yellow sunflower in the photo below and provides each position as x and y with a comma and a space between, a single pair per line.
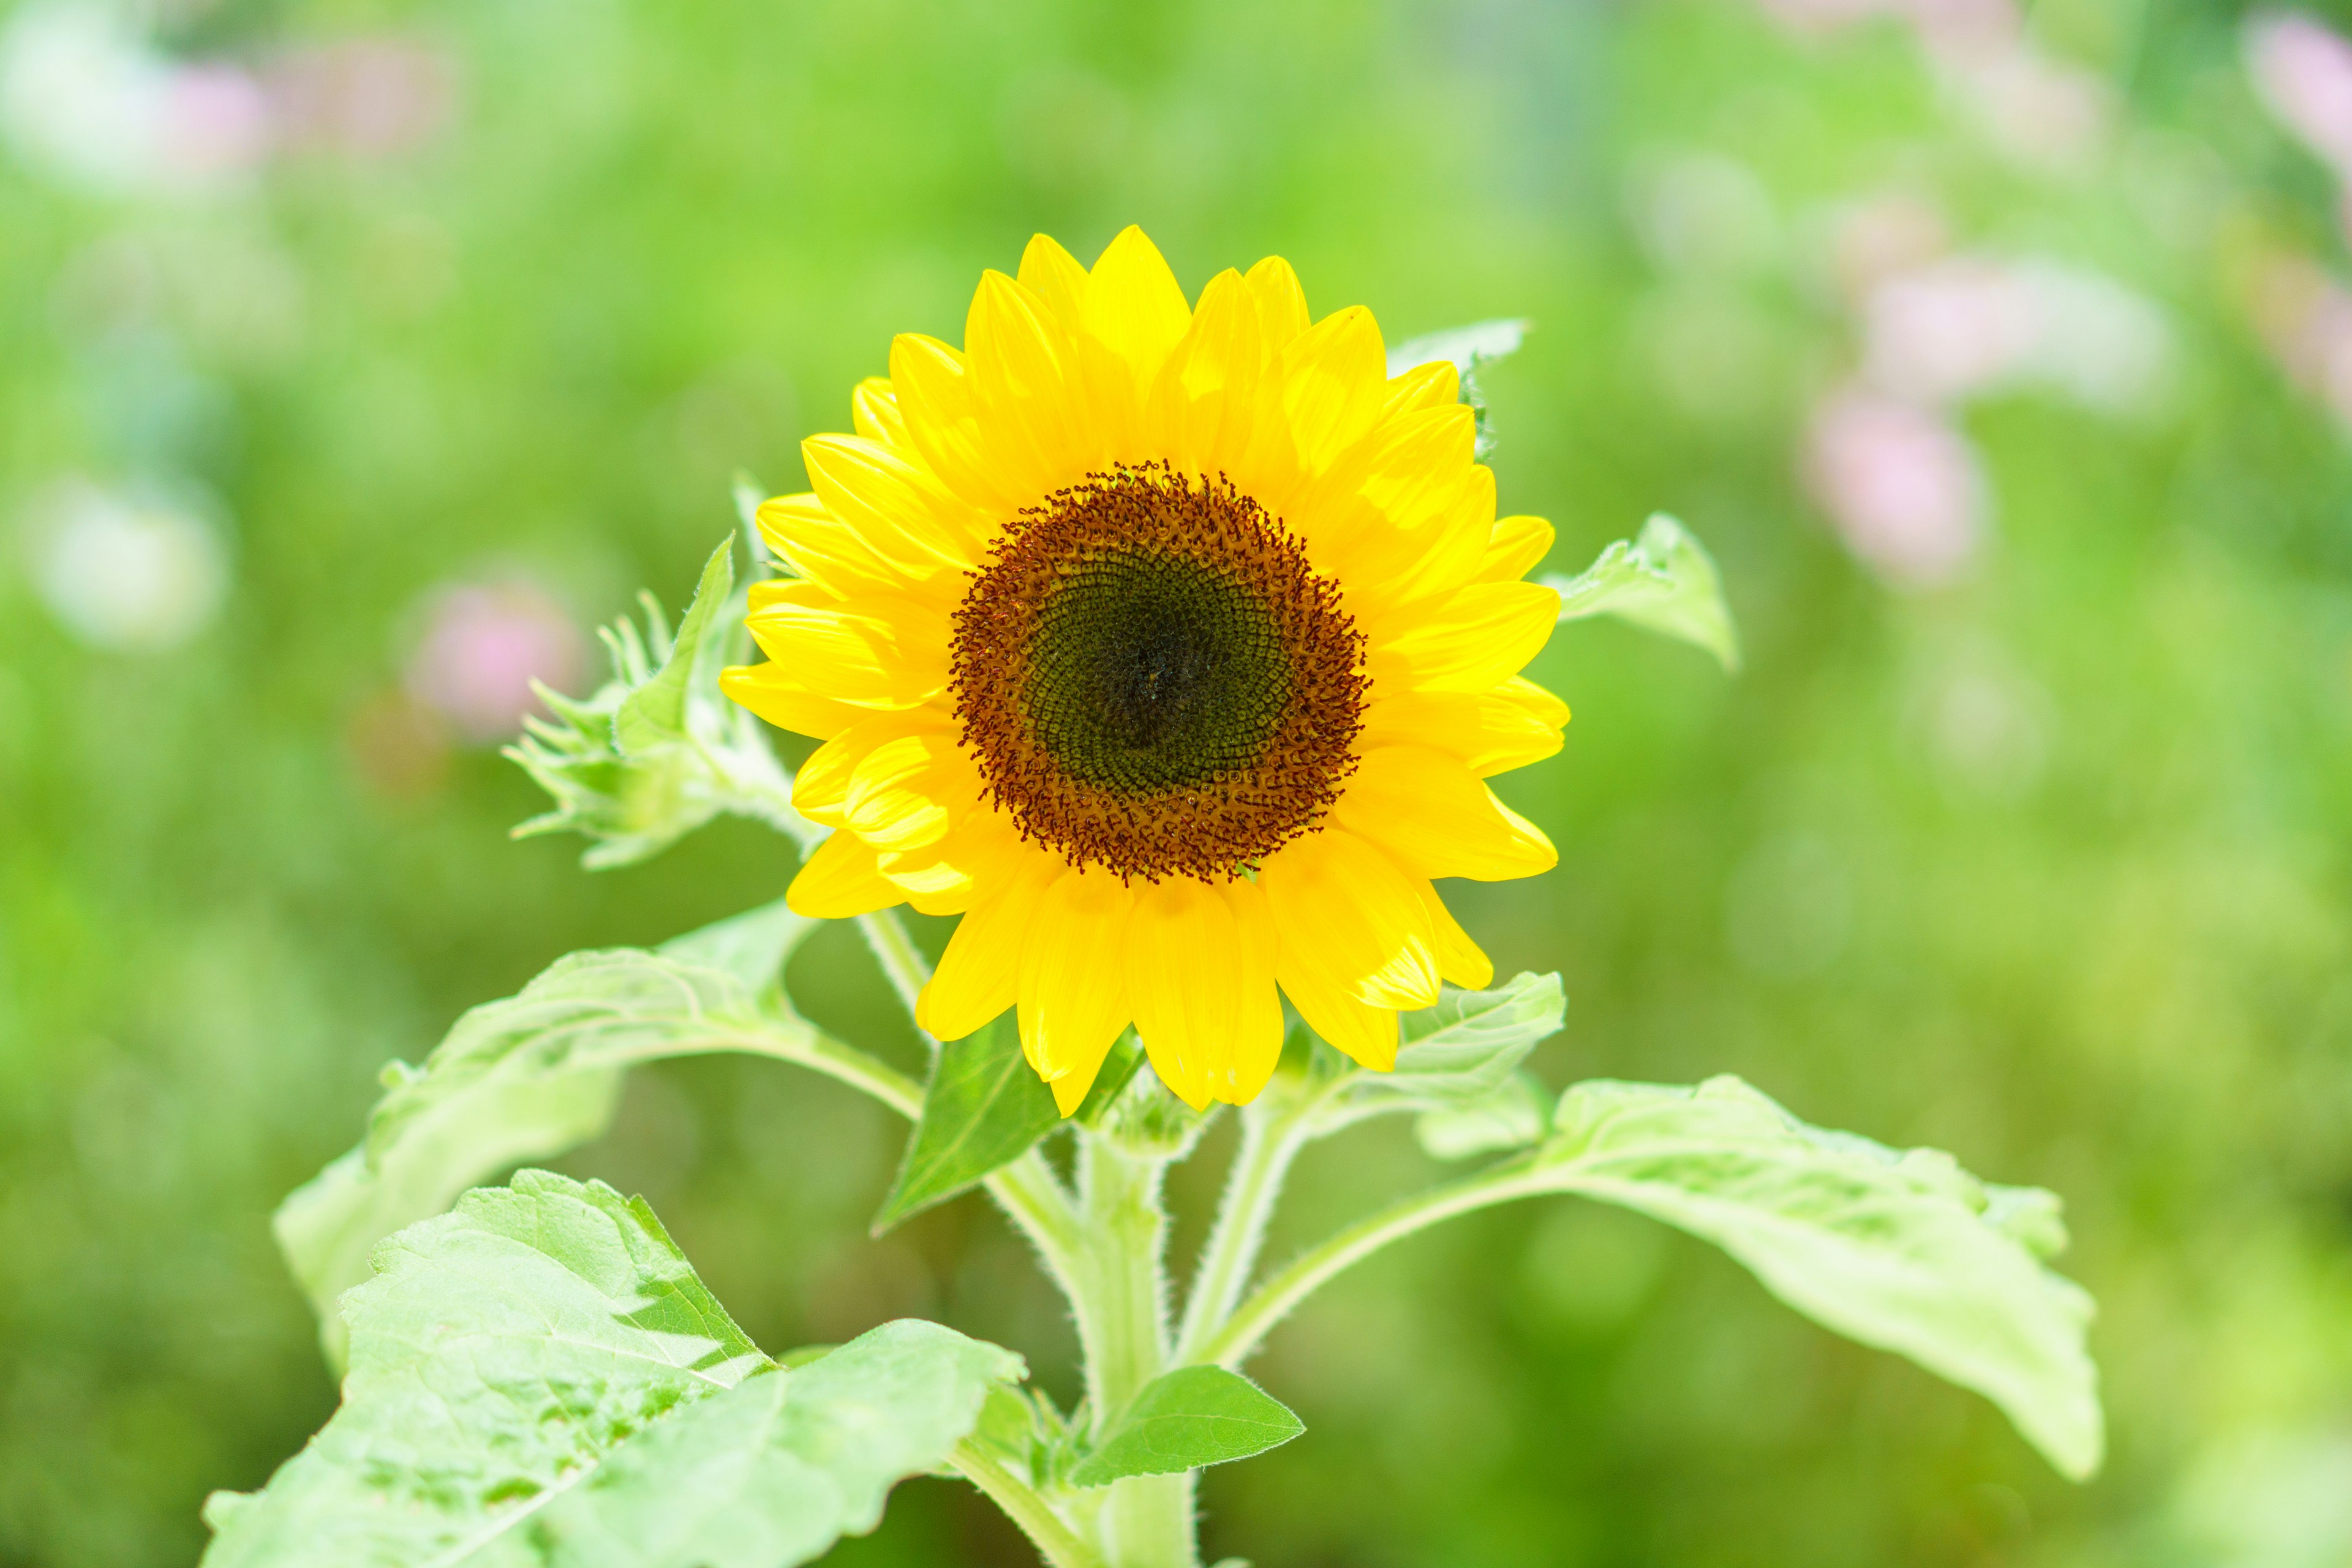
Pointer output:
1170, 648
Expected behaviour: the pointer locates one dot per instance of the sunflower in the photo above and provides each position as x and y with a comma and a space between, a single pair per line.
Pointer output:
1171, 648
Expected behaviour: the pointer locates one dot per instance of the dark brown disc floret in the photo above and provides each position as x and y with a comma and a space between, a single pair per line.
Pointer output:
1152, 679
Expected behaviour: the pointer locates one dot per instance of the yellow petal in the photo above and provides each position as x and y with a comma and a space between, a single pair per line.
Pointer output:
1345, 911
1335, 380
1516, 547
874, 651
1281, 302
1133, 306
874, 413
1025, 390
979, 973
1257, 1037
1473, 642
1185, 973
1073, 981
1054, 276
840, 880
1205, 405
1459, 959
935, 395
1364, 1033
1439, 819
785, 703
947, 877
821, 786
910, 790
1433, 386
822, 548
893, 502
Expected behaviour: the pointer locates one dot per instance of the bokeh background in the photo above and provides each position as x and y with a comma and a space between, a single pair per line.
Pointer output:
358, 358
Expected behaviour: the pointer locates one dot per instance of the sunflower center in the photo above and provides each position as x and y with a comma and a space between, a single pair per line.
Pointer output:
1151, 679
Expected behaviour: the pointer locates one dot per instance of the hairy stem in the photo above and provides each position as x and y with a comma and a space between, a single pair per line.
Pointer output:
895, 950
1146, 1520
1230, 1345
1274, 1129
1055, 1541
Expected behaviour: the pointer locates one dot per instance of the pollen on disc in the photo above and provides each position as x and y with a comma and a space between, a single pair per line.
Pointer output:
1152, 679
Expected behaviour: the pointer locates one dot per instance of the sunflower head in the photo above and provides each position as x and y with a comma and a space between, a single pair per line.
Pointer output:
1170, 646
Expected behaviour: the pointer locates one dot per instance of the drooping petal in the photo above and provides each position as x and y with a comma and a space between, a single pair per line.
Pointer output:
1439, 819
911, 789
947, 875
1073, 996
979, 976
840, 880
1344, 910
1185, 973
1257, 1036
1366, 1034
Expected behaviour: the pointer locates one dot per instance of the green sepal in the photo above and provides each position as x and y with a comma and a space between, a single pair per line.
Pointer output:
1188, 1419
1458, 1053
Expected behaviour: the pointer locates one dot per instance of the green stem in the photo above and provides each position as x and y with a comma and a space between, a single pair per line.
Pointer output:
1055, 1541
907, 970
1274, 1129
1122, 1310
1273, 1300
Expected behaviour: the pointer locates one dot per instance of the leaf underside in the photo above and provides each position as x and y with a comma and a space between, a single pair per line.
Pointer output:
1904, 1251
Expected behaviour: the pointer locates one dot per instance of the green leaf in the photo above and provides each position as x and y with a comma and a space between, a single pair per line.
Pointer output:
1664, 581
498, 1354
774, 1471
538, 1378
986, 1108
1458, 1053
1512, 1116
1193, 1416
1467, 348
1903, 1251
654, 715
528, 1077
658, 750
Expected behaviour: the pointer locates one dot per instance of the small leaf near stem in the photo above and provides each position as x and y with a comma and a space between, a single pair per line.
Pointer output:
1186, 1420
1664, 581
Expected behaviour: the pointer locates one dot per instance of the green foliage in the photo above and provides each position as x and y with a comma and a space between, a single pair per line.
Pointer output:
1186, 1420
532, 1076
538, 1377
1664, 581
1901, 1250
500, 1354
774, 1470
1459, 1053
986, 1108
1512, 1115
657, 752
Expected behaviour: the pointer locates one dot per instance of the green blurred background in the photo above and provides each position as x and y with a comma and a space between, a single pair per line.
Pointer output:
354, 357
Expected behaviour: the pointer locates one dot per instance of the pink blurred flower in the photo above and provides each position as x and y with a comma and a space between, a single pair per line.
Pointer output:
215, 121
482, 646
2302, 73
1972, 324
2305, 317
1901, 486
368, 98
